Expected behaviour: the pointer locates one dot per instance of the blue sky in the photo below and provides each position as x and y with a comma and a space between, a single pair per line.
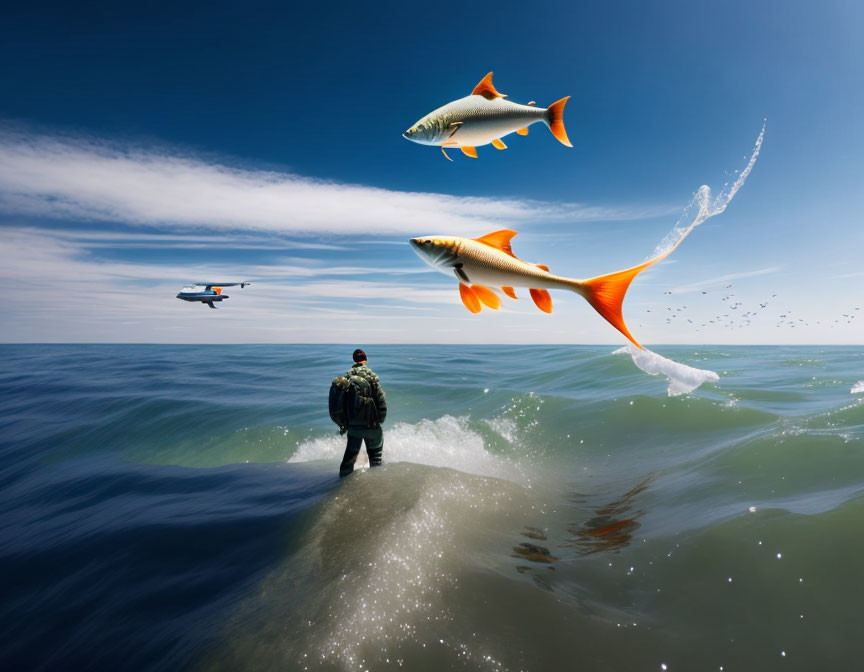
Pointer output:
143, 147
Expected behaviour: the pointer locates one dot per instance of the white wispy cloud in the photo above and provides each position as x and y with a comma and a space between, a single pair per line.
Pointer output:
159, 240
714, 282
58, 289
36, 256
84, 179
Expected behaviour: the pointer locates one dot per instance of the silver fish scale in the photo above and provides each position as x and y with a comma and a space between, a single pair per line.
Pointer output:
478, 108
486, 265
484, 120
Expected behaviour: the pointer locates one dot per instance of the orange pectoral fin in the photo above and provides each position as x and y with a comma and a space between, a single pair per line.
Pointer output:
469, 298
509, 291
522, 131
542, 300
485, 89
218, 290
497, 144
467, 150
487, 296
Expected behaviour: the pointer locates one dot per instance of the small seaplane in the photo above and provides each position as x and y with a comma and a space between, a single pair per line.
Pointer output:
208, 292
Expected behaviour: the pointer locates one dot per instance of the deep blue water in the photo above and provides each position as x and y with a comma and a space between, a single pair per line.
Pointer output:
177, 507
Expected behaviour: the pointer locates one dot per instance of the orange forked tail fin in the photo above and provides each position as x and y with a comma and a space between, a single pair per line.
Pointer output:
555, 121
606, 294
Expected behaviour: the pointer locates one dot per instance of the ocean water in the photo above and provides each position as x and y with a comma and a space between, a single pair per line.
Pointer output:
540, 508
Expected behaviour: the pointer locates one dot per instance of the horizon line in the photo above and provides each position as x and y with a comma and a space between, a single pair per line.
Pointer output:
510, 345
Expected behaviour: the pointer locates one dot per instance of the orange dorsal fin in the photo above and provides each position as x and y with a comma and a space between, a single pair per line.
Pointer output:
486, 89
469, 298
542, 267
467, 150
542, 299
487, 296
500, 240
509, 291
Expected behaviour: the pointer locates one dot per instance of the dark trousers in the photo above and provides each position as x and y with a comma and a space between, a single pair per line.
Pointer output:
374, 439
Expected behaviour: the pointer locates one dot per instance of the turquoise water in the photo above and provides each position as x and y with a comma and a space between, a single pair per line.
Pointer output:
540, 508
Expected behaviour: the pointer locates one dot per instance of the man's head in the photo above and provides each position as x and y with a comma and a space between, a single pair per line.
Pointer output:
359, 356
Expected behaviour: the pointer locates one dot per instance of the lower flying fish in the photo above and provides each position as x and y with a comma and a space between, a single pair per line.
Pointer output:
481, 263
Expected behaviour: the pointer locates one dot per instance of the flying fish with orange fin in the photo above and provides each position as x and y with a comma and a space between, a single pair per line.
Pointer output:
484, 118
480, 264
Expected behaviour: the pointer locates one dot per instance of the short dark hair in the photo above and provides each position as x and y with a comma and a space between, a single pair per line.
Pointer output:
359, 355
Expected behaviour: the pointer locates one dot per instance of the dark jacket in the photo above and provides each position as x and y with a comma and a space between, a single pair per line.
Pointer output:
377, 391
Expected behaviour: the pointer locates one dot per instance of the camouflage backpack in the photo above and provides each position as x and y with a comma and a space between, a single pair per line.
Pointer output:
352, 402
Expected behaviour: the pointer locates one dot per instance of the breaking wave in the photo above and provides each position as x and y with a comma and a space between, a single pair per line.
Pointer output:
445, 442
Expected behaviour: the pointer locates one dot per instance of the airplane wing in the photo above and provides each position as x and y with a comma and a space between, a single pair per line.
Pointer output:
210, 285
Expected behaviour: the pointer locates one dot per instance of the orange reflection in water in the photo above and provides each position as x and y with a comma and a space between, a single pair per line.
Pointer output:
613, 526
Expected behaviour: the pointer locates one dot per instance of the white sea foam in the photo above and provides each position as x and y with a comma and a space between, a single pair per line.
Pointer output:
703, 206
445, 442
858, 388
682, 378
506, 428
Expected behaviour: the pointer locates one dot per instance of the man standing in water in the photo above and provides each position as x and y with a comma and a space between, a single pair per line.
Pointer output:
367, 427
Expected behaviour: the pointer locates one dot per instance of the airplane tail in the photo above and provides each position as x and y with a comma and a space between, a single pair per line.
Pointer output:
606, 293
555, 121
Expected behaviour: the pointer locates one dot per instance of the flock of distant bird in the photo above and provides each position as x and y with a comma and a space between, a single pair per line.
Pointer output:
744, 318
